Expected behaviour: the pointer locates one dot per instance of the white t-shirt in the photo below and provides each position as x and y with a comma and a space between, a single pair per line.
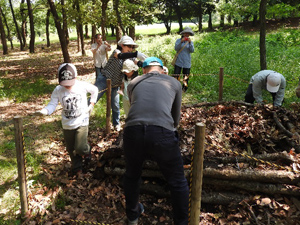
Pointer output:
74, 102
100, 55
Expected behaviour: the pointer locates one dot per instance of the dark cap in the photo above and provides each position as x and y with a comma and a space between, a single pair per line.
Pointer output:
66, 74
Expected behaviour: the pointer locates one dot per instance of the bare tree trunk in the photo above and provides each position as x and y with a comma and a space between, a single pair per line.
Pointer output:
17, 27
93, 33
118, 33
65, 23
3, 38
47, 28
262, 36
79, 27
32, 32
179, 16
61, 33
200, 16
86, 29
116, 9
24, 23
104, 18
222, 20
8, 30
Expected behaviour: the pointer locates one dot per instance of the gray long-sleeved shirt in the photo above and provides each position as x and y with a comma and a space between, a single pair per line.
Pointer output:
259, 82
156, 100
184, 57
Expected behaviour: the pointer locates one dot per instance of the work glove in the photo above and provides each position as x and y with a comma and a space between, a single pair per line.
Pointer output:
90, 109
42, 112
141, 56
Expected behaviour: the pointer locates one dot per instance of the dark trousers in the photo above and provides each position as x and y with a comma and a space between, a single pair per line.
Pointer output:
77, 145
161, 145
249, 95
186, 74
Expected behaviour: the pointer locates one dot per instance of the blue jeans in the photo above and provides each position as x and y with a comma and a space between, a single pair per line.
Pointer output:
161, 145
98, 71
115, 98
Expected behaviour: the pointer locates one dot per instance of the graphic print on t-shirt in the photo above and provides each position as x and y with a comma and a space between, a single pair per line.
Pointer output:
71, 106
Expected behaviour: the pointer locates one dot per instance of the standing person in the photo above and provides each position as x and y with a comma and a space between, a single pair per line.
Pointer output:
150, 133
99, 49
130, 70
268, 80
72, 95
183, 61
112, 71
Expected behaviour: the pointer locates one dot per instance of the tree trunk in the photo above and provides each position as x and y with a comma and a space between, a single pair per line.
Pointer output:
47, 28
210, 25
103, 18
112, 27
120, 24
118, 33
200, 16
65, 23
61, 33
222, 20
79, 27
86, 29
24, 23
132, 32
179, 16
8, 30
78, 38
262, 36
32, 32
3, 37
17, 27
93, 33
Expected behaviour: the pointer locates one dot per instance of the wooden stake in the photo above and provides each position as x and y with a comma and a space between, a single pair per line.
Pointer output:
18, 122
197, 174
108, 105
221, 82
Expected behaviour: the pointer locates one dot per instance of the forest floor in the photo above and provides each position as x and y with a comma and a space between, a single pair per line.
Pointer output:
97, 198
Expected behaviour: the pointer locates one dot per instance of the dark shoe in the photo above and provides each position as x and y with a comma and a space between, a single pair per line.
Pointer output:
135, 222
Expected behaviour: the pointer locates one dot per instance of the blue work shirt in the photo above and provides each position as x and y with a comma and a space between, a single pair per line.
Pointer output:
184, 57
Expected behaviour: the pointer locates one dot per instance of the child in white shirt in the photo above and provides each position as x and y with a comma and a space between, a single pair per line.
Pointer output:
72, 95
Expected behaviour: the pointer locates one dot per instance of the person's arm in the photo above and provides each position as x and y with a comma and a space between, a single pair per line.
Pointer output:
53, 101
176, 107
95, 48
178, 45
93, 90
127, 55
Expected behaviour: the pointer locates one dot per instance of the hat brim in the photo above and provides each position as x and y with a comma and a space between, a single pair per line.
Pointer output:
272, 89
187, 32
67, 82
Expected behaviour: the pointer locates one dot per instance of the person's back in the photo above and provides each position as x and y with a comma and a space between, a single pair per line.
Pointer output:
155, 96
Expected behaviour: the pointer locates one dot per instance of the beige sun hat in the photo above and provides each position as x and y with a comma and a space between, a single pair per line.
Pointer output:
126, 40
188, 30
129, 66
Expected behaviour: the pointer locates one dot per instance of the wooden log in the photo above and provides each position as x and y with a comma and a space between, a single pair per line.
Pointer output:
251, 186
264, 176
207, 197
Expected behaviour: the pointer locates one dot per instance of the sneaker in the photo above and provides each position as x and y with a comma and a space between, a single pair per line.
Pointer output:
117, 127
135, 222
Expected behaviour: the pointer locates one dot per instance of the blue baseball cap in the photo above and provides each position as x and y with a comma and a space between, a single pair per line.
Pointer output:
152, 61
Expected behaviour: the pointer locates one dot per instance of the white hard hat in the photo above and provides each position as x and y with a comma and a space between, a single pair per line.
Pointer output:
126, 40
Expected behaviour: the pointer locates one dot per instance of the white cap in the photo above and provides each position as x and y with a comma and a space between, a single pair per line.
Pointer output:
273, 82
129, 66
126, 40
166, 70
